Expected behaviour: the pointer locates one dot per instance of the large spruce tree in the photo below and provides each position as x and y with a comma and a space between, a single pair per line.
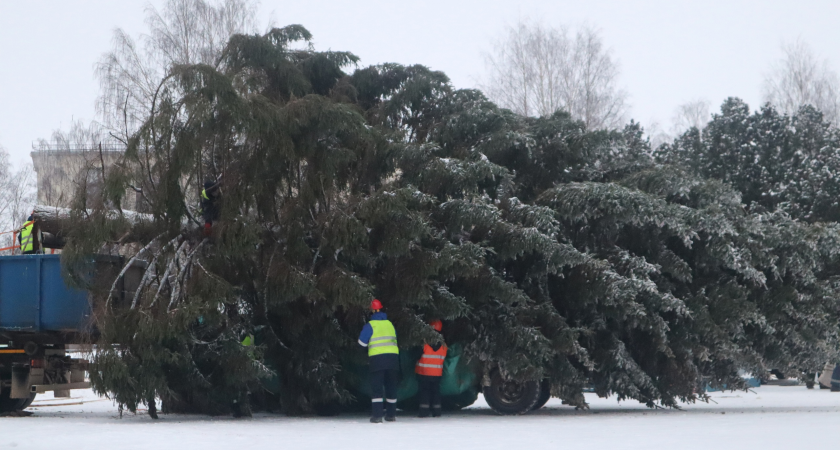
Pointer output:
550, 250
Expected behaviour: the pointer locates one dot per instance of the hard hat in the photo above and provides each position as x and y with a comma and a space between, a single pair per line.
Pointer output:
436, 324
375, 305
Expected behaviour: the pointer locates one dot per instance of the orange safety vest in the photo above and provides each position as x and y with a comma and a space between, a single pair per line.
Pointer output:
431, 363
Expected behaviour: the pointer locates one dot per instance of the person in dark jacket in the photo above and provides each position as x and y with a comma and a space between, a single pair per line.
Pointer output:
380, 338
210, 196
429, 371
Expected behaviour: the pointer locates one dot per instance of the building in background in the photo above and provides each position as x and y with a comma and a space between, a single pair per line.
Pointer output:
62, 170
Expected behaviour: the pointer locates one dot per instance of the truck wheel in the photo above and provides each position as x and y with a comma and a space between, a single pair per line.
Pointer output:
28, 401
511, 396
545, 394
13, 404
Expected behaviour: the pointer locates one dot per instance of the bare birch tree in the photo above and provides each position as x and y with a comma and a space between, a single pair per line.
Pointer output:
535, 70
657, 135
134, 71
693, 114
799, 78
17, 197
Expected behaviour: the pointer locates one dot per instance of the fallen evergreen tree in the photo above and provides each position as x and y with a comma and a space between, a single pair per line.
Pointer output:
551, 251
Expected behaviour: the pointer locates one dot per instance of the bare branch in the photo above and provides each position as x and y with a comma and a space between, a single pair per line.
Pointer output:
693, 114
799, 79
535, 70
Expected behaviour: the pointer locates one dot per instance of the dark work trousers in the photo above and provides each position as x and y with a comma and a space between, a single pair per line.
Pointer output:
429, 395
835, 379
209, 210
388, 380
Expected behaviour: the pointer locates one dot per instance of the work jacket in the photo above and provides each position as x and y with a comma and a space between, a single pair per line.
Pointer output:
380, 338
27, 237
431, 363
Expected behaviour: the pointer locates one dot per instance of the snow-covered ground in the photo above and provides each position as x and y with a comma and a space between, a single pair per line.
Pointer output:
770, 417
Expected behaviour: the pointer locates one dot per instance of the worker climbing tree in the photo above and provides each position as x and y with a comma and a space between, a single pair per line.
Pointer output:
211, 194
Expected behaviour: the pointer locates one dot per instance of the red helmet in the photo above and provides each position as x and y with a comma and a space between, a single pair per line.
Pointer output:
375, 305
436, 324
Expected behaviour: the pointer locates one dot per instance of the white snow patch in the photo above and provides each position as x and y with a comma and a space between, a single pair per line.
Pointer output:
766, 417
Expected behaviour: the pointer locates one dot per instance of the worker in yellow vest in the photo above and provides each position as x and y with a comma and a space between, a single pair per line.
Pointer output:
210, 197
429, 372
380, 338
30, 237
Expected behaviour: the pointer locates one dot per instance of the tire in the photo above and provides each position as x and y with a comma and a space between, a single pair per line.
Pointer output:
13, 404
28, 401
508, 397
545, 394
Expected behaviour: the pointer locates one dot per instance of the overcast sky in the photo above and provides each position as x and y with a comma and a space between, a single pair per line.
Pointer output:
670, 51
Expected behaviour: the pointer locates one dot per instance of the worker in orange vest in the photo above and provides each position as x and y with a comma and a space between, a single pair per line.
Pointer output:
429, 372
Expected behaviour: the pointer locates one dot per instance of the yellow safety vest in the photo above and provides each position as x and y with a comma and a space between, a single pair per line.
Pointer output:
248, 343
27, 243
384, 338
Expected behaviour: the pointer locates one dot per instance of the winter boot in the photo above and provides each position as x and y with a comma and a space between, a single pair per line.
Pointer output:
436, 411
377, 409
391, 411
375, 420
424, 411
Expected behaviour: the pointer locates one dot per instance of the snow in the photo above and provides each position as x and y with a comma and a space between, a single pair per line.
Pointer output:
766, 417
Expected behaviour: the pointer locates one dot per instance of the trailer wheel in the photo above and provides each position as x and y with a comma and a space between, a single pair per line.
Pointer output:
28, 401
7, 404
13, 404
545, 394
511, 396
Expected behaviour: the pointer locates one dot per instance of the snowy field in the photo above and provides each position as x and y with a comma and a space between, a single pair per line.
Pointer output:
770, 417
